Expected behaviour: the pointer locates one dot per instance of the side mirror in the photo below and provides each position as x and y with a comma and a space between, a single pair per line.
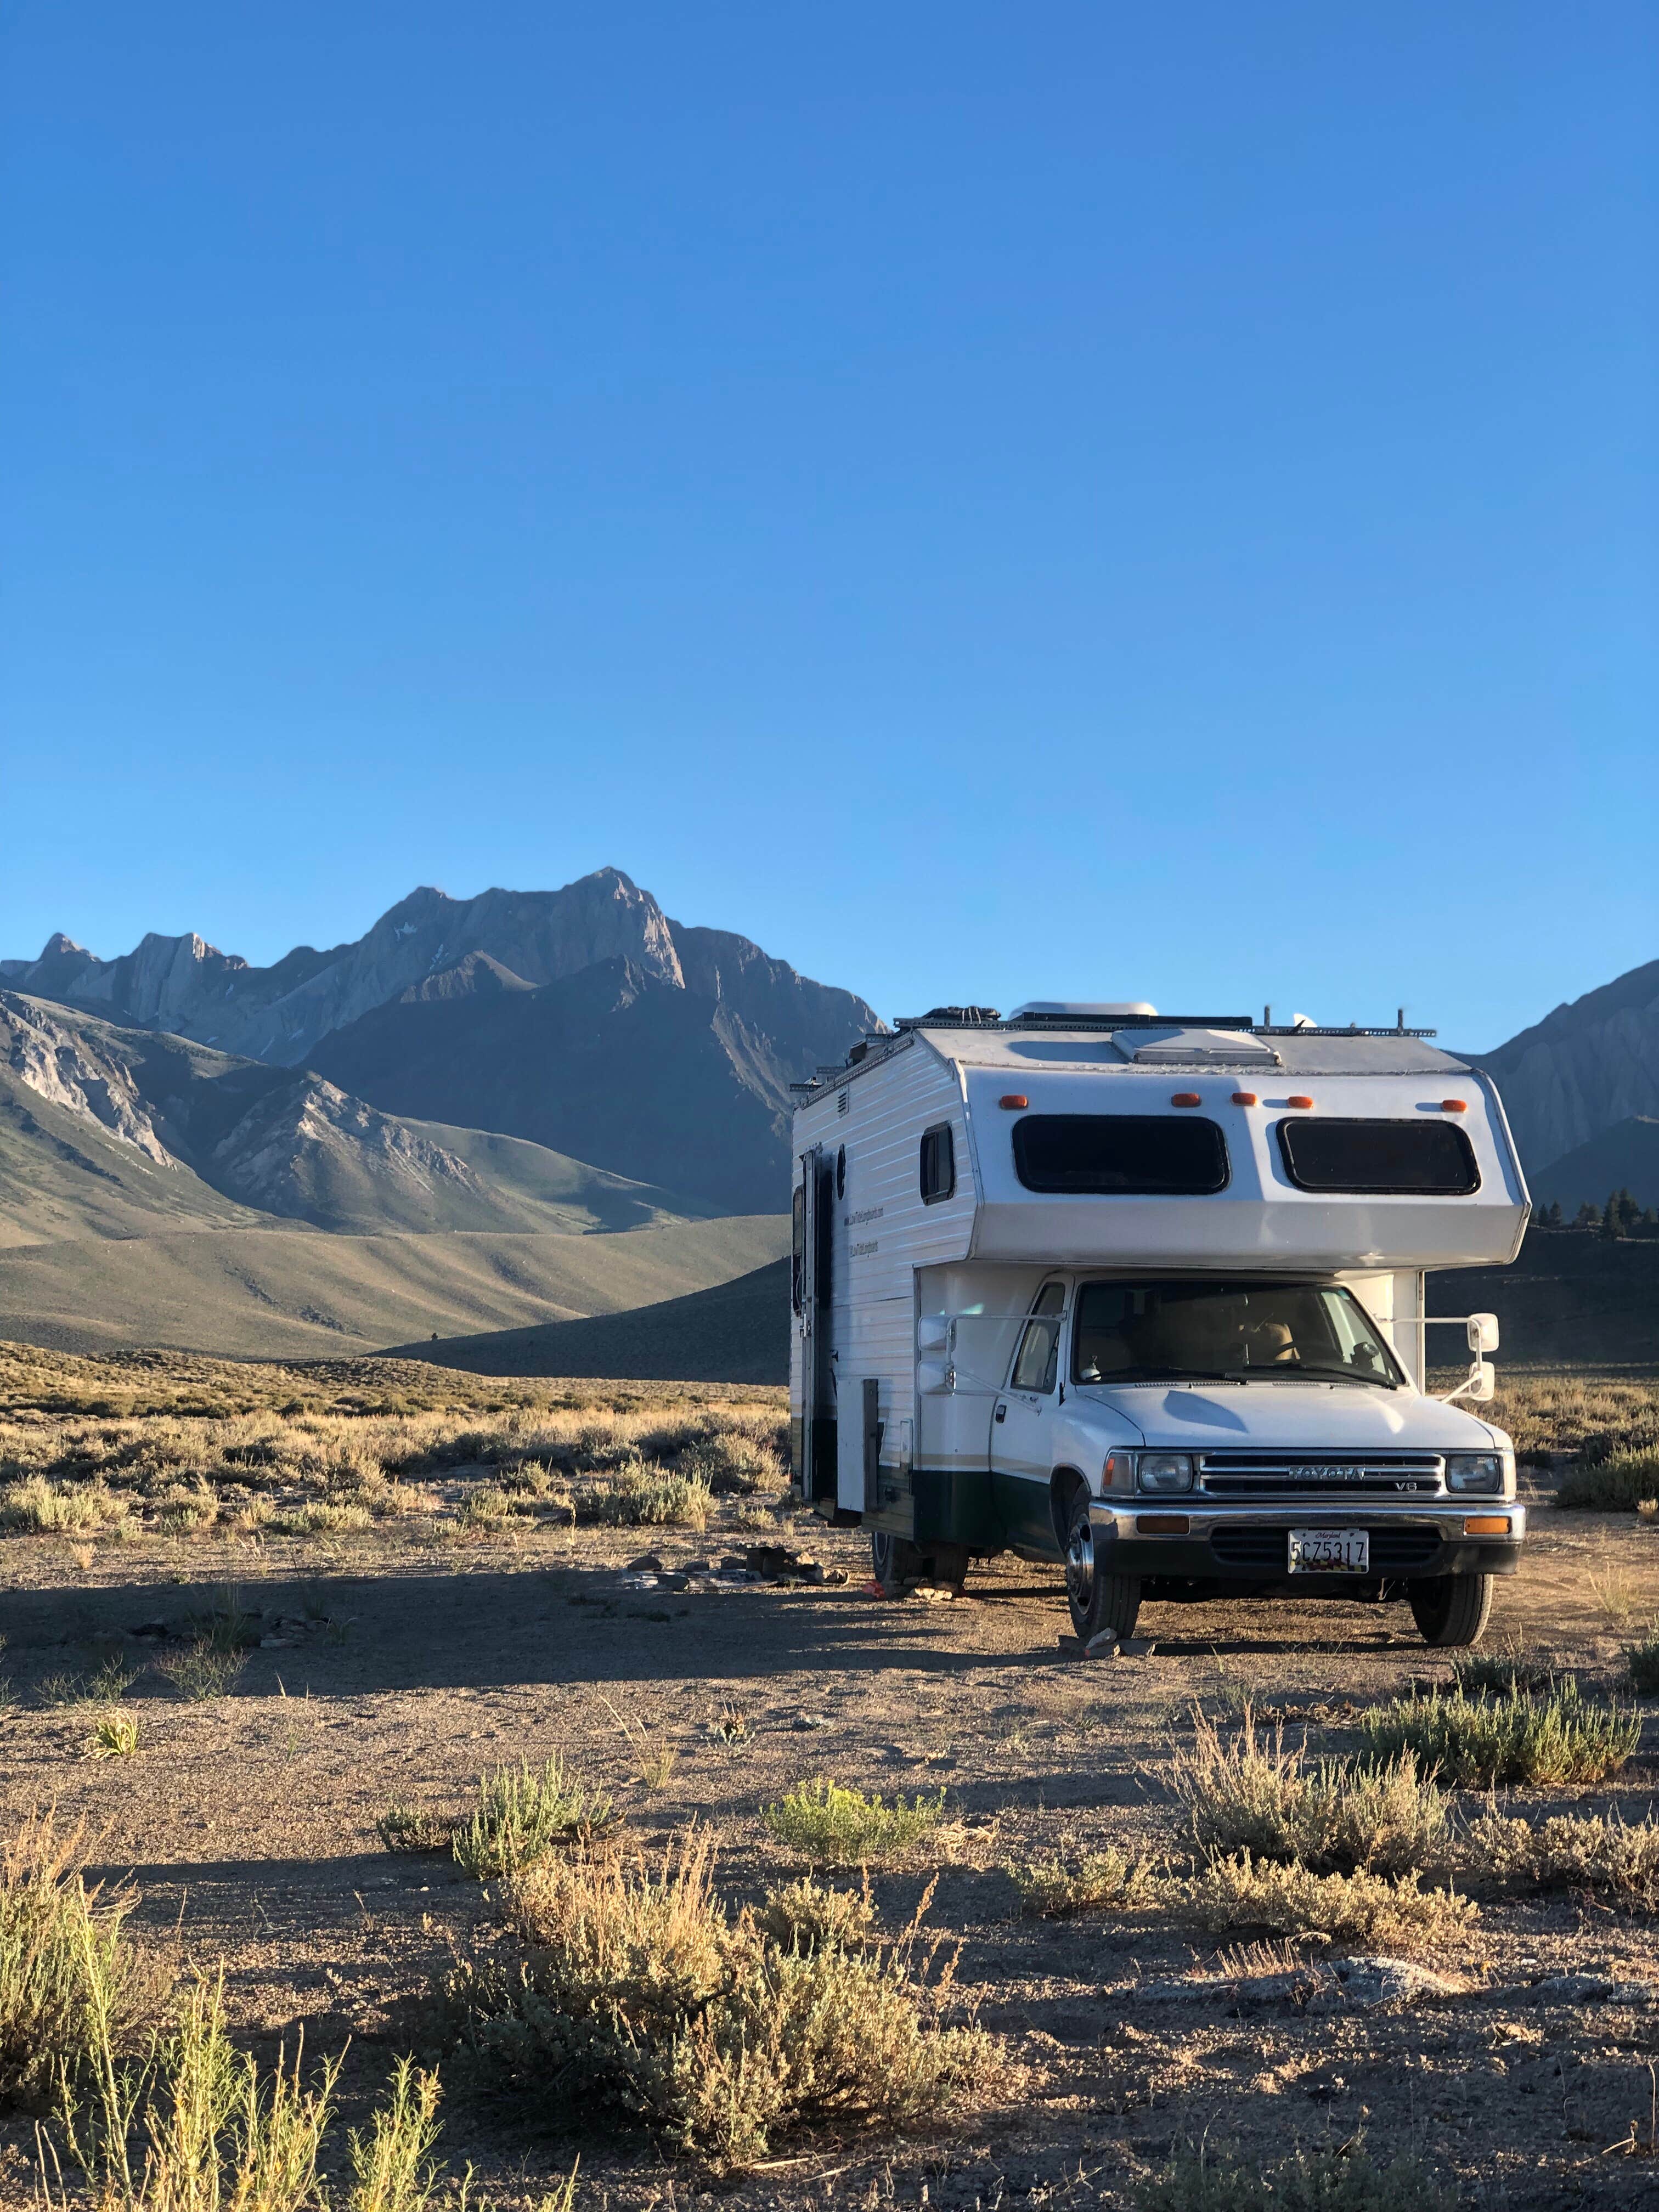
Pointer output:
934, 1378
1483, 1383
1483, 1332
933, 1332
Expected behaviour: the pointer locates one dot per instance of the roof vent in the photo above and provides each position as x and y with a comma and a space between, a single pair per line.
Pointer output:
1082, 1009
961, 1014
1190, 1048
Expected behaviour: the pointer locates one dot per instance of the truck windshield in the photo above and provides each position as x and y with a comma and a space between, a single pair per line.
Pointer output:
1226, 1332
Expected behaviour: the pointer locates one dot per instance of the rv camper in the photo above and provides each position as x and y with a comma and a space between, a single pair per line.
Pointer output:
1143, 1297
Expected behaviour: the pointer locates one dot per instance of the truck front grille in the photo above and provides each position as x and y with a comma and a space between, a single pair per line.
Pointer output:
1284, 1474
1393, 1551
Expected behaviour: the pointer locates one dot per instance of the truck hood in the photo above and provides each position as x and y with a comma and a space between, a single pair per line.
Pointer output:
1292, 1416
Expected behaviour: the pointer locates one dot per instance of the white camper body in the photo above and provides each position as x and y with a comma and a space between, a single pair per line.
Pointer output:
950, 1178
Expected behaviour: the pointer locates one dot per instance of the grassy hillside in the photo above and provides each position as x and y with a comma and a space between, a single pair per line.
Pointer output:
736, 1333
284, 1293
1571, 1300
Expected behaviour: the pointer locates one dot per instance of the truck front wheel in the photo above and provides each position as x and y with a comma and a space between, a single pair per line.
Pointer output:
1099, 1602
1452, 1610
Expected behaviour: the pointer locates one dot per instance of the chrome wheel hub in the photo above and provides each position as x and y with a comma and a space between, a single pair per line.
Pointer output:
1080, 1565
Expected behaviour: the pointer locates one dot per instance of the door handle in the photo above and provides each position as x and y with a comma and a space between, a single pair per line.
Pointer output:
1001, 1414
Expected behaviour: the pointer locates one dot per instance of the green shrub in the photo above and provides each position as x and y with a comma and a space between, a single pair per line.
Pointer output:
1617, 1483
1243, 1795
646, 1498
1340, 2180
806, 1916
1051, 1889
42, 1508
834, 1825
1362, 1908
1507, 1667
639, 1997
201, 1670
1475, 1743
64, 1964
524, 1812
1641, 1661
115, 1736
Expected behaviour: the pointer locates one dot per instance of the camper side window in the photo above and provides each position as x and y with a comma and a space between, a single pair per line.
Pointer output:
1037, 1360
798, 1271
938, 1164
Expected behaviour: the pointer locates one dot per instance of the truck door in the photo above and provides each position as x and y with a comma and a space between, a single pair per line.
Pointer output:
1021, 1425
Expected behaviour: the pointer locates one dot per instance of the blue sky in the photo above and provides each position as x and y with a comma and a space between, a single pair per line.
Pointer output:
990, 501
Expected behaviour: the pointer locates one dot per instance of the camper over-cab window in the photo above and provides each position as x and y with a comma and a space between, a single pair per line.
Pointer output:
1424, 1159
938, 1164
1128, 1155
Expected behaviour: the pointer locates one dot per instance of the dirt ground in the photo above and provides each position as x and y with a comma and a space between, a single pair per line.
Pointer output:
404, 1667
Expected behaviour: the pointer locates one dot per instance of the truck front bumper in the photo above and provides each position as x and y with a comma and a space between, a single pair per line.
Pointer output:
1197, 1539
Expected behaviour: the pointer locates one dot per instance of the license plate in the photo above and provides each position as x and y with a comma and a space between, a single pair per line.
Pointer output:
1330, 1551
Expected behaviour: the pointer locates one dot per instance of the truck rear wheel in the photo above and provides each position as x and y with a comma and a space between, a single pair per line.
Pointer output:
896, 1562
1452, 1610
1099, 1602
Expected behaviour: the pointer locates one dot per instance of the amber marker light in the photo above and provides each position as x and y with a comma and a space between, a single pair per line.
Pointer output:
1185, 1098
1453, 1105
1161, 1524
1487, 1524
1303, 1103
1244, 1098
1013, 1100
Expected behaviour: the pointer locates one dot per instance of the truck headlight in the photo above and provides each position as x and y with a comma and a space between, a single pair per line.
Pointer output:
1164, 1471
1479, 1471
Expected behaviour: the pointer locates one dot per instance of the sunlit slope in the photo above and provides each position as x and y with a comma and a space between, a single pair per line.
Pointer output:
289, 1293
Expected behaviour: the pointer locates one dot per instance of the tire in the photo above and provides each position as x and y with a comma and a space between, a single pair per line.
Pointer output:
1099, 1603
1452, 1611
895, 1561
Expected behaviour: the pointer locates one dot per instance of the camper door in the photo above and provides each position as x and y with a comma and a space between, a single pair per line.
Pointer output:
814, 1214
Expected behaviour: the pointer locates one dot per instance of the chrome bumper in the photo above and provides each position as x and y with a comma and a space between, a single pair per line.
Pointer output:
1119, 1519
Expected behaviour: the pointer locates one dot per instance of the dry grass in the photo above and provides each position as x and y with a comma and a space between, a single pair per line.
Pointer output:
1595, 1851
1476, 1743
1247, 1795
1593, 1418
335, 1457
831, 1825
199, 2126
640, 1996
808, 1916
1360, 1908
65, 1966
1099, 1882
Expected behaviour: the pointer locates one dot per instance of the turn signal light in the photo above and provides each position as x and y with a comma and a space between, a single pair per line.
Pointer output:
1186, 1098
1486, 1524
1161, 1524
1013, 1100
1453, 1106
1244, 1098
1303, 1103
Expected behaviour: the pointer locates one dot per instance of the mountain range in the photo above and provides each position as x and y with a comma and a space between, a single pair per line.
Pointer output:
449, 1125
499, 1114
